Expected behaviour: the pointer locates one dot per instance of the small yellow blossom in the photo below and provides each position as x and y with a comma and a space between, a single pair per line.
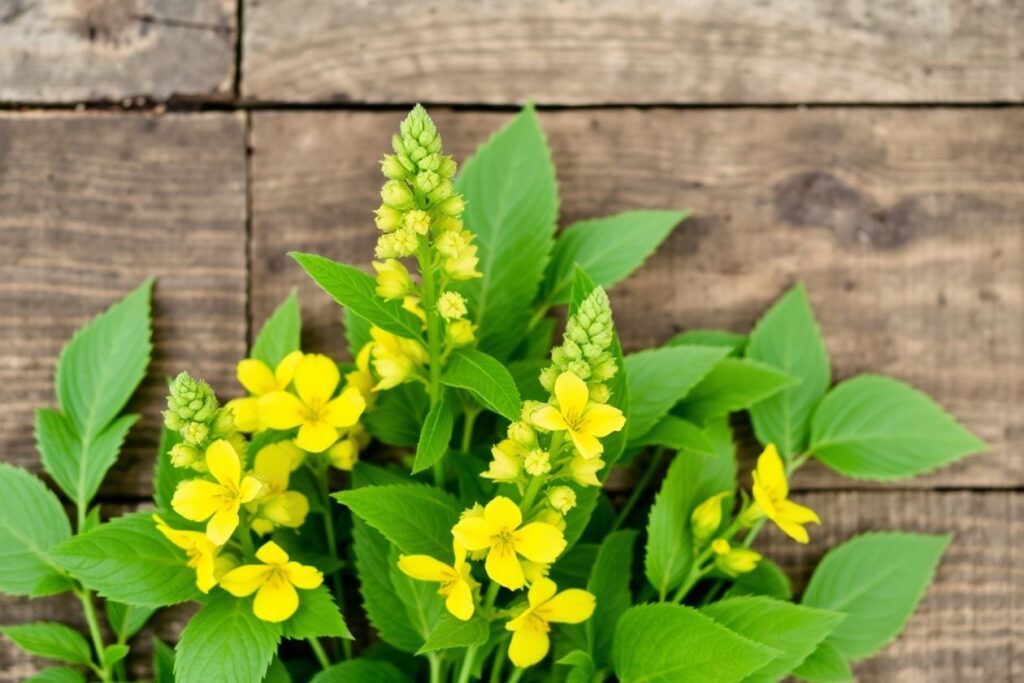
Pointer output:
313, 411
462, 266
202, 554
585, 421
562, 498
534, 571
707, 517
276, 505
522, 433
285, 451
345, 454
537, 462
455, 579
393, 281
499, 531
771, 497
199, 500
411, 303
584, 471
418, 221
396, 194
552, 517
507, 462
734, 561
450, 243
258, 379
451, 306
388, 219
361, 378
274, 583
183, 455
461, 333
395, 359
530, 641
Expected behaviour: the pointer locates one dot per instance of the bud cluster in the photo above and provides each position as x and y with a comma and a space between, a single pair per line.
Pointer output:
585, 349
194, 413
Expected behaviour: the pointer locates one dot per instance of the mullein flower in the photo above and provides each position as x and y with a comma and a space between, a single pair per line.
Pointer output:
451, 306
585, 421
501, 532
456, 580
584, 470
585, 349
274, 582
537, 462
393, 281
258, 379
202, 553
199, 500
562, 498
771, 498
395, 359
545, 605
317, 415
734, 561
276, 505
507, 462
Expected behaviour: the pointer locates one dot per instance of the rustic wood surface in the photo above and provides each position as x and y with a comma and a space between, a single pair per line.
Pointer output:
652, 51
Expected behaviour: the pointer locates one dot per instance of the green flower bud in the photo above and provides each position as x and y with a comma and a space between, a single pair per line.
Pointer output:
392, 168
599, 393
190, 400
183, 455
195, 432
224, 423
442, 191
396, 195
454, 205
447, 167
388, 218
427, 181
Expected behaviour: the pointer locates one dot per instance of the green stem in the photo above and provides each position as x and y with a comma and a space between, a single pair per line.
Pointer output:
696, 572
467, 665
318, 650
430, 295
332, 548
499, 663
467, 429
246, 540
640, 487
531, 494
516, 674
94, 630
538, 315
435, 667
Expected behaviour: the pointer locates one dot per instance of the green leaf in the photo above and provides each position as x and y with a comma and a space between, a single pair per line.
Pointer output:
415, 517
368, 474
487, 378
280, 334
100, 367
166, 476
873, 427
825, 665
32, 522
78, 464
277, 672
126, 620
511, 206
526, 374
397, 416
732, 385
452, 632
794, 630
357, 332
317, 617
113, 654
383, 607
766, 579
660, 378
59, 674
876, 580
609, 583
128, 560
671, 643
583, 669
435, 436
163, 662
608, 248
361, 671
731, 340
787, 338
354, 289
225, 642
50, 640
420, 599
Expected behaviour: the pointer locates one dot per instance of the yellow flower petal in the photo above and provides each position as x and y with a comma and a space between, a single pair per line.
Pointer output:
316, 378
571, 606
762, 498
249, 489
460, 601
272, 469
793, 530
587, 444
197, 499
473, 533
572, 395
503, 567
794, 512
224, 463
316, 437
550, 419
186, 540
303, 576
502, 513
222, 524
528, 646
271, 553
244, 580
424, 568
280, 410
246, 415
539, 542
602, 420
276, 600
256, 377
771, 473
542, 590
285, 370
205, 573
345, 410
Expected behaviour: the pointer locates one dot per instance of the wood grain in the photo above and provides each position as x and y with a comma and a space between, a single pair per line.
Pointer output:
90, 205
905, 225
652, 51
75, 50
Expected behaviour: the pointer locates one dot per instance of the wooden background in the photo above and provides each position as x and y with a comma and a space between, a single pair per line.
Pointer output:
873, 150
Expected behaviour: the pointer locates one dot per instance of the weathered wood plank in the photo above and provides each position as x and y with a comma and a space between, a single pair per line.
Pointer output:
74, 50
596, 51
905, 225
90, 205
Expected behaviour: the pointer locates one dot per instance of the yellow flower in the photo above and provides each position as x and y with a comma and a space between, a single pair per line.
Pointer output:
276, 505
534, 571
530, 642
201, 552
361, 378
387, 218
771, 496
585, 421
345, 454
274, 583
284, 450
508, 459
418, 221
537, 462
462, 266
734, 561
562, 498
411, 303
707, 517
461, 333
199, 500
456, 580
451, 306
313, 411
584, 471
395, 358
258, 379
499, 532
393, 281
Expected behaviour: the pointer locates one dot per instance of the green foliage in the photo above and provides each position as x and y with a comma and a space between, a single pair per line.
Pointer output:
876, 580
608, 249
872, 427
434, 437
787, 338
32, 524
317, 617
582, 667
361, 671
766, 579
732, 384
128, 560
732, 341
50, 640
112, 654
670, 643
421, 601
355, 290
163, 662
450, 632
418, 519
166, 476
486, 378
609, 582
126, 620
383, 606
824, 665
398, 415
58, 674
225, 642
280, 334
511, 206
